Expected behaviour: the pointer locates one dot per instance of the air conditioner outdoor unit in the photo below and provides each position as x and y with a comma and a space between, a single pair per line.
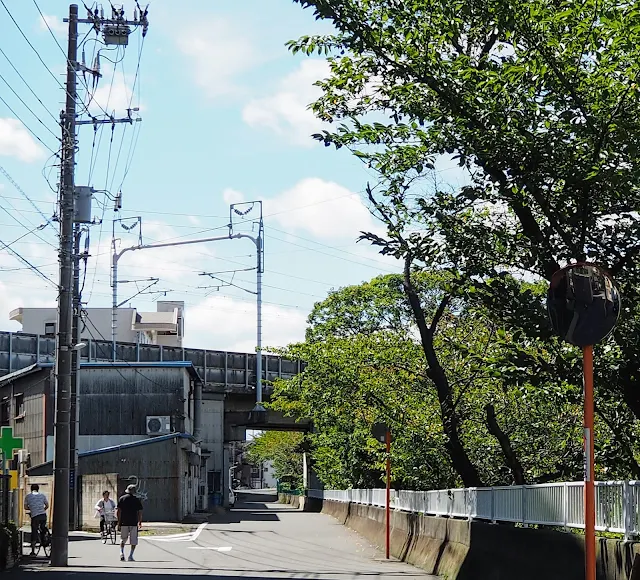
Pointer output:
158, 425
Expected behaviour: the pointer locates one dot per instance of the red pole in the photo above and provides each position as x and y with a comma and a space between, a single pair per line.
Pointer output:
388, 502
589, 487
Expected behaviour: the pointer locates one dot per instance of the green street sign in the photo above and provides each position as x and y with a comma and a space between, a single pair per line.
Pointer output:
9, 443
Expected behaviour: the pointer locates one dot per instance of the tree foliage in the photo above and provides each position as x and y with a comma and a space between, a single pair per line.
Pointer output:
516, 425
283, 449
538, 102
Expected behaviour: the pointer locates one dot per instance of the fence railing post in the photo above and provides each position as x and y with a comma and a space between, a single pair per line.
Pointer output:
523, 506
565, 505
493, 506
627, 510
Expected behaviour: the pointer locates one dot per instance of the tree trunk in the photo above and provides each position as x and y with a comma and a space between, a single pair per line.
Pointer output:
510, 456
450, 421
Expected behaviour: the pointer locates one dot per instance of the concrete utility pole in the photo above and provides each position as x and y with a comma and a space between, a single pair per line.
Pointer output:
60, 529
73, 419
115, 31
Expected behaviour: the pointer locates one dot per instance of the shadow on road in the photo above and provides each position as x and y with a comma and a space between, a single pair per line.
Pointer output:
171, 573
253, 512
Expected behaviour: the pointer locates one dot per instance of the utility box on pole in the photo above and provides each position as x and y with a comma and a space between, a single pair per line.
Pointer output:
82, 197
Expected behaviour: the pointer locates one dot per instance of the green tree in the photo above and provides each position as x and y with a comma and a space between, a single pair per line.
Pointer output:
283, 449
514, 426
538, 101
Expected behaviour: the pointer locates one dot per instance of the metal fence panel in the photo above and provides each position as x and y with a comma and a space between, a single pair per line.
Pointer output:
610, 506
508, 503
544, 504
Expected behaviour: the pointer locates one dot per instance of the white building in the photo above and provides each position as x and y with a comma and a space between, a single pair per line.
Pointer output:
165, 326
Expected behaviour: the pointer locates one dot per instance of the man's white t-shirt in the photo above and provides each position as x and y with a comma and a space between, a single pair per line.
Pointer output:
36, 502
105, 507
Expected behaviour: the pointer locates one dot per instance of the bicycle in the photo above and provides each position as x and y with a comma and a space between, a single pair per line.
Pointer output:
109, 532
43, 540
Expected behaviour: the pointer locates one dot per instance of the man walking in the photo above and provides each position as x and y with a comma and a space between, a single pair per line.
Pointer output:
37, 505
129, 520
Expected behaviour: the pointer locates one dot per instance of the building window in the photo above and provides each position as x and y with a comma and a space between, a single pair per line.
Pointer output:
49, 328
180, 330
5, 412
19, 406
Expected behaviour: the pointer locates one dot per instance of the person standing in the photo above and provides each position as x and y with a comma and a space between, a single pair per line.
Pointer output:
37, 505
129, 512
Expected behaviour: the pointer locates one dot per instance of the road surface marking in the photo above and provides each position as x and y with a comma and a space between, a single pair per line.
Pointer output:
190, 537
220, 549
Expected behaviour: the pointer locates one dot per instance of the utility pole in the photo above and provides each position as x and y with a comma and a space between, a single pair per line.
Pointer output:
115, 31
73, 419
74, 431
60, 528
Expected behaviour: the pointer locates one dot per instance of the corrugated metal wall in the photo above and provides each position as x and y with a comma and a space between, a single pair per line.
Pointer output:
220, 369
158, 470
29, 422
119, 402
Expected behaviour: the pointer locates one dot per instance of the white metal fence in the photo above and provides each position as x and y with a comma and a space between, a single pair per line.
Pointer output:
551, 504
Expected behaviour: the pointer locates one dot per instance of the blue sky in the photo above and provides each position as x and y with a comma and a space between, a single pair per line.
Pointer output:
224, 115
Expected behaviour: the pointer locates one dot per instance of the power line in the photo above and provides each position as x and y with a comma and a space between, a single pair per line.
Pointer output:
29, 265
25, 125
20, 190
28, 86
33, 47
28, 107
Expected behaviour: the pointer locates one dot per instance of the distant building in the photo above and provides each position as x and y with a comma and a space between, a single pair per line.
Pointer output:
164, 327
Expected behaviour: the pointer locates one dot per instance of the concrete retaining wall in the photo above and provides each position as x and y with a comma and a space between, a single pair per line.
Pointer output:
462, 550
307, 504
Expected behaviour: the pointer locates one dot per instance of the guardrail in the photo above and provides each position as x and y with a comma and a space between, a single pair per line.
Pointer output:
550, 504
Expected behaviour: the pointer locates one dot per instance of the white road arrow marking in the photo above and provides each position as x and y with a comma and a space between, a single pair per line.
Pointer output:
190, 537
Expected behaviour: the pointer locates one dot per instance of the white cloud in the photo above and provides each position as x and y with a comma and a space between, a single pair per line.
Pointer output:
232, 196
111, 97
287, 111
57, 26
15, 141
220, 322
322, 208
218, 53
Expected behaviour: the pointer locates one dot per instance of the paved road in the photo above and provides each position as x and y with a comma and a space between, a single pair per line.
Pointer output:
254, 541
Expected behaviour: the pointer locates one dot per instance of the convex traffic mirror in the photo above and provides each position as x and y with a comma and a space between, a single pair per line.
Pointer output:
583, 303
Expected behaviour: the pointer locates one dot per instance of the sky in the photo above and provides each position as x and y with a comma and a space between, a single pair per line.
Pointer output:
225, 119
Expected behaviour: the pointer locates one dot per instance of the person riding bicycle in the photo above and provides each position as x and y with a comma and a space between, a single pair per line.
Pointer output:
37, 505
106, 507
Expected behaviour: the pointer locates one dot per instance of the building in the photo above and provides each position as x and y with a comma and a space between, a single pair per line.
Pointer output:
165, 470
126, 406
163, 327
